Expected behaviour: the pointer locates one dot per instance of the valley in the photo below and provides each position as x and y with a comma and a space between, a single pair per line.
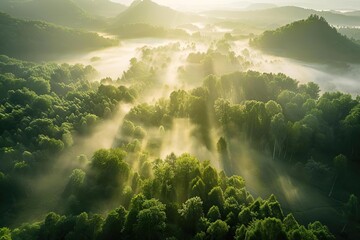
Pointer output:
144, 121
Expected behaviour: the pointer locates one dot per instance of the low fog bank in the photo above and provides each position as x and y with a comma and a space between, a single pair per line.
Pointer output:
112, 62
343, 78
182, 138
204, 5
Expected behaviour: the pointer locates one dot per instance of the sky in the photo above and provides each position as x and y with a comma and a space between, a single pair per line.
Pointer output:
233, 4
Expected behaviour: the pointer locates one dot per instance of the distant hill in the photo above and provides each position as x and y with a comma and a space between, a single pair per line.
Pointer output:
283, 15
143, 30
352, 13
61, 12
260, 6
352, 33
104, 8
146, 11
312, 39
34, 40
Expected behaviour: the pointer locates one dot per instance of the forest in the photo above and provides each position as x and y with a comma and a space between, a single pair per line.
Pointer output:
290, 40
150, 122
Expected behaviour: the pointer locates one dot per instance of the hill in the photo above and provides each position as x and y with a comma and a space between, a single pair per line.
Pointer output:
33, 39
283, 15
260, 6
104, 8
353, 13
352, 33
312, 39
61, 12
146, 11
143, 30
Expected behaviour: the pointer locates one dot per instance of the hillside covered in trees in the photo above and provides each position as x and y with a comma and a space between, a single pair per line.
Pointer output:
31, 39
146, 11
62, 12
104, 8
312, 39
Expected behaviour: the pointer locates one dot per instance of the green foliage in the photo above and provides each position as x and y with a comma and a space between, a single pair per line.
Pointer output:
32, 39
114, 224
151, 13
151, 221
213, 213
42, 106
312, 39
191, 212
320, 231
217, 230
147, 217
351, 208
63, 12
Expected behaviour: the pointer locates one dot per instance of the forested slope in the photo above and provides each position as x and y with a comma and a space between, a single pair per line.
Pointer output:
33, 39
62, 12
146, 11
312, 39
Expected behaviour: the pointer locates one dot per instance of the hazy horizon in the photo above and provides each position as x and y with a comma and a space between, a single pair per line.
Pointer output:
237, 4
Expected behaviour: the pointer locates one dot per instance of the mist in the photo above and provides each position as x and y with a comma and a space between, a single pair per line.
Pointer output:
180, 82
45, 192
203, 5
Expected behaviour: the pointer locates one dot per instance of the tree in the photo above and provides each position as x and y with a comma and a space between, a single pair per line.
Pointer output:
5, 234
191, 212
273, 108
240, 233
224, 155
210, 178
268, 228
278, 130
108, 169
290, 223
186, 168
320, 231
312, 89
114, 224
340, 164
198, 188
301, 233
150, 222
216, 198
351, 210
131, 218
213, 214
246, 216
217, 230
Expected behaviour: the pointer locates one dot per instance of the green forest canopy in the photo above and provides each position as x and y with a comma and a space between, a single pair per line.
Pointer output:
312, 39
31, 39
62, 12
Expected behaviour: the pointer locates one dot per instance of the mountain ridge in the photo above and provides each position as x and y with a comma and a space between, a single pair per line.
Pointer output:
284, 15
146, 11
